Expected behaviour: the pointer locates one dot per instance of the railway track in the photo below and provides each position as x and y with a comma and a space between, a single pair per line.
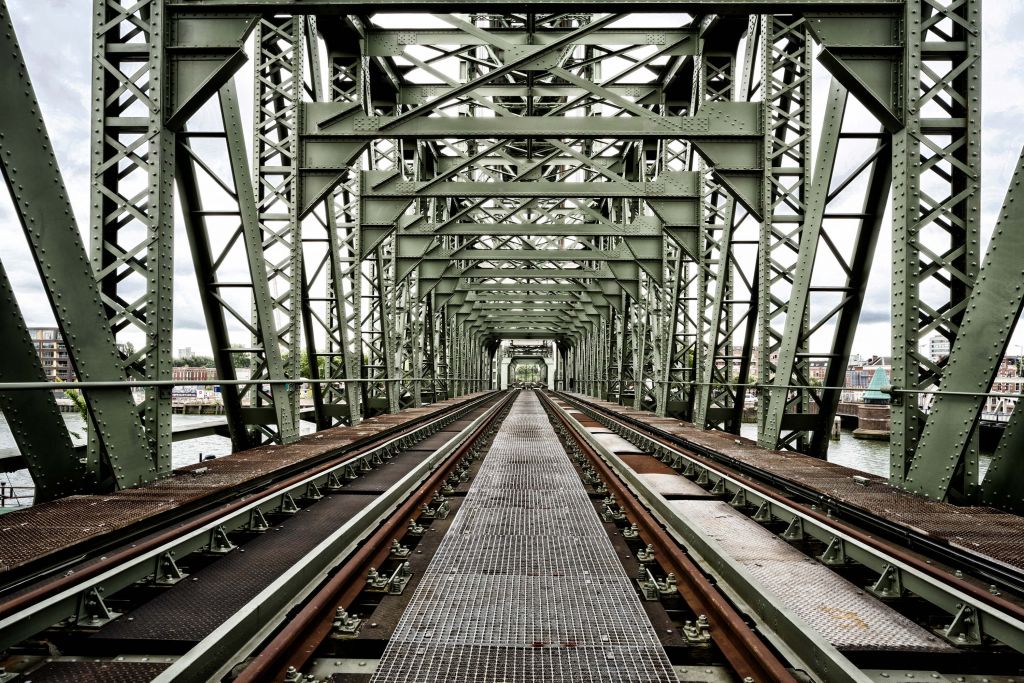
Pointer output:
956, 604
344, 571
102, 602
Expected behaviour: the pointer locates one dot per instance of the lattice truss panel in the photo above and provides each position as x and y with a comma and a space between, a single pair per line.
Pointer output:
649, 192
526, 584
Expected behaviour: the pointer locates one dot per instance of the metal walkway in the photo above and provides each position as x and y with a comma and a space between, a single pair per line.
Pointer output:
526, 585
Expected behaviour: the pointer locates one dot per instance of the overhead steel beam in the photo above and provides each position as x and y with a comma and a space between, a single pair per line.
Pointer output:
325, 121
725, 7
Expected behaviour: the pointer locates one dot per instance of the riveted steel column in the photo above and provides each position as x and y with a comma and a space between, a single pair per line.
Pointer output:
276, 96
993, 310
936, 212
724, 318
786, 77
132, 216
330, 246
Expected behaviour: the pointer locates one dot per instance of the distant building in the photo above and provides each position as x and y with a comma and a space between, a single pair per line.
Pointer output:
198, 375
818, 369
938, 347
185, 352
53, 354
859, 375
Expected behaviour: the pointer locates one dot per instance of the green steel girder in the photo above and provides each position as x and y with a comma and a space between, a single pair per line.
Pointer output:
646, 94
723, 125
864, 53
279, 68
787, 88
840, 291
936, 210
331, 263
411, 194
678, 185
203, 53
727, 134
264, 353
392, 42
43, 208
33, 416
992, 312
701, 7
728, 287
1001, 486
132, 203
646, 225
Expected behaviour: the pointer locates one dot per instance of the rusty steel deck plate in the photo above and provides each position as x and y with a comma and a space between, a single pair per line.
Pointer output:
64, 671
32, 533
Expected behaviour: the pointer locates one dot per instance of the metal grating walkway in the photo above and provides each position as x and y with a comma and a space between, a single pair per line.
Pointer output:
526, 585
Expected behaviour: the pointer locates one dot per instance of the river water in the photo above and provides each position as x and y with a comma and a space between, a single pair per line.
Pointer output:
866, 455
182, 453
859, 454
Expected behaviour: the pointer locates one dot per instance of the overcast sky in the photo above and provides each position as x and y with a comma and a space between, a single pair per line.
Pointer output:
55, 36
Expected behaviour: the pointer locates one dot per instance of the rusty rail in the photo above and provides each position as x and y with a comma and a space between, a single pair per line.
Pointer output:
297, 641
742, 647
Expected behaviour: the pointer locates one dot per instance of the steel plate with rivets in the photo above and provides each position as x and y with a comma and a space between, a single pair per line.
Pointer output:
845, 614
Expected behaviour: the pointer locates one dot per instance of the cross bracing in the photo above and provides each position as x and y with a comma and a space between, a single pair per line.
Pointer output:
422, 180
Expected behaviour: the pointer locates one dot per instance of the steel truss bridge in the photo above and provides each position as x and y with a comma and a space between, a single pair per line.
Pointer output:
640, 191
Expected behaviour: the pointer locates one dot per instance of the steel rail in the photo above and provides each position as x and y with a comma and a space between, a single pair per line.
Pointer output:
991, 572
295, 644
314, 464
31, 611
998, 617
783, 627
745, 651
218, 653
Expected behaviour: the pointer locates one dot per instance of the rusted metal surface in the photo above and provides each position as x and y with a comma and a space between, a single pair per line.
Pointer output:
294, 644
985, 531
64, 671
741, 646
32, 535
645, 464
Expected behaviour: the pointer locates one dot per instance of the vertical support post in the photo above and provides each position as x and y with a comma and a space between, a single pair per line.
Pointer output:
786, 79
936, 205
132, 224
277, 94
726, 318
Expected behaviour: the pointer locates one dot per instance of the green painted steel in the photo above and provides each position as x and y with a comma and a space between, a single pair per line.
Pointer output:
948, 443
936, 211
33, 416
121, 457
641, 196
